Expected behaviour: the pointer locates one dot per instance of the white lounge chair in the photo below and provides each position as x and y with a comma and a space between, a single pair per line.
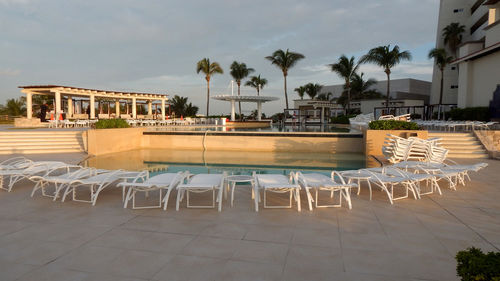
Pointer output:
37, 168
60, 180
278, 184
168, 181
201, 183
15, 163
388, 182
320, 182
95, 184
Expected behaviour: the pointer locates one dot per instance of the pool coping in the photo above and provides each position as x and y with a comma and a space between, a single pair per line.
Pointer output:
261, 134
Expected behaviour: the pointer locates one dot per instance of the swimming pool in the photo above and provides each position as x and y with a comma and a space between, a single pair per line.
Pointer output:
233, 162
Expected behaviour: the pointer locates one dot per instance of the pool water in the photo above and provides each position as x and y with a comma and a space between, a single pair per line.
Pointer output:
273, 128
233, 162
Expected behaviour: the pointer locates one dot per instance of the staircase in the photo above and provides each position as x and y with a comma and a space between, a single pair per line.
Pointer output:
36, 141
461, 145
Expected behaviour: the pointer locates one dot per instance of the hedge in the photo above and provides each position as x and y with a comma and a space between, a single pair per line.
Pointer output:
393, 125
470, 113
111, 123
474, 265
342, 119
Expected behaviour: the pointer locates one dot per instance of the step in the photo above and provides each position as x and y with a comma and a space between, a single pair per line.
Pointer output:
40, 151
459, 143
481, 155
437, 135
43, 144
464, 147
462, 139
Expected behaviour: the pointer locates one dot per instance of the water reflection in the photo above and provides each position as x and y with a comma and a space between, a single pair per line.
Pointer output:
273, 128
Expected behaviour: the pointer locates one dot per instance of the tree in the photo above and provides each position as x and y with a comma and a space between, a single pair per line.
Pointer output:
239, 71
181, 107
256, 82
441, 59
14, 107
360, 89
301, 91
285, 60
312, 90
208, 69
325, 96
386, 58
452, 35
345, 67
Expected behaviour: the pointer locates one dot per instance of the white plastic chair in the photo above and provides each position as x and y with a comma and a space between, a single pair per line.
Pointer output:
278, 184
320, 182
201, 183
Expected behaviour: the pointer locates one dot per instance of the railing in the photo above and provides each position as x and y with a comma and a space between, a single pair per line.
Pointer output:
425, 111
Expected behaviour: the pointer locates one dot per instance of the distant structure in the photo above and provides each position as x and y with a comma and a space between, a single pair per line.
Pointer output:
471, 78
406, 88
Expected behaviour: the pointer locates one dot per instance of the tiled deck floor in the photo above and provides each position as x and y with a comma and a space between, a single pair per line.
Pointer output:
411, 240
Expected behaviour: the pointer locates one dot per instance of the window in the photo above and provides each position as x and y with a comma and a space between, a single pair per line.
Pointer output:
453, 67
454, 86
458, 10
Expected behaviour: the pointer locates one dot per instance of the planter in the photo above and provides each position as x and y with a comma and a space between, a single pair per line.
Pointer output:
374, 139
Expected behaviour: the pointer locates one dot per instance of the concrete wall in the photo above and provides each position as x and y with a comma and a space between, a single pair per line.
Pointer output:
255, 143
114, 140
374, 139
478, 79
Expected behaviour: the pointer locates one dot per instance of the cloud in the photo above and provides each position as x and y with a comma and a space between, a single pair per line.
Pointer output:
9, 72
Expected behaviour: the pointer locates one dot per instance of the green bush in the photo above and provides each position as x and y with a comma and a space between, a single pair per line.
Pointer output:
470, 113
474, 265
111, 123
393, 125
342, 119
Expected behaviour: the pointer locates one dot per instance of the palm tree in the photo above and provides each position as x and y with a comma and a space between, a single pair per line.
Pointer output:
361, 88
285, 60
325, 96
301, 91
181, 107
14, 107
345, 67
441, 59
452, 35
257, 83
386, 58
208, 69
312, 90
239, 71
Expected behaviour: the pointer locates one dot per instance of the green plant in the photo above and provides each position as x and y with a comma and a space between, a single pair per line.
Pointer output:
111, 123
474, 265
342, 119
470, 113
393, 125
209, 69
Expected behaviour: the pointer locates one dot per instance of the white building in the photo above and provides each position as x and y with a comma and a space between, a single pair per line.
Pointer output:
471, 79
407, 88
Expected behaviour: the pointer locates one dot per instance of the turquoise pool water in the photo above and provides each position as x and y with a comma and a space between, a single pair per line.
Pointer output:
233, 162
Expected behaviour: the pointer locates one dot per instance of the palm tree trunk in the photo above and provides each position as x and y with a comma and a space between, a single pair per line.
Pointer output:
208, 97
440, 95
286, 96
388, 91
348, 84
239, 103
258, 91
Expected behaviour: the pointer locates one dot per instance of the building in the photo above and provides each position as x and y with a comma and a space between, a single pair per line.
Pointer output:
406, 88
470, 79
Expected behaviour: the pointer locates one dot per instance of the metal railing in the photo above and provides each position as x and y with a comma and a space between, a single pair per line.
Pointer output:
426, 112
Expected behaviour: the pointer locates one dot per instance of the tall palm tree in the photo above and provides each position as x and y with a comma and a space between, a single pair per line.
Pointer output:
386, 58
208, 69
300, 91
441, 59
452, 35
325, 96
285, 60
345, 67
239, 71
257, 82
312, 90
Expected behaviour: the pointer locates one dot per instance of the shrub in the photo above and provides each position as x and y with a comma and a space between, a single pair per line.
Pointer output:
393, 125
473, 264
342, 119
111, 123
470, 113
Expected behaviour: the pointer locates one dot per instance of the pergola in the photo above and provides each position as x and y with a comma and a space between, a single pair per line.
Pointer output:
257, 99
72, 92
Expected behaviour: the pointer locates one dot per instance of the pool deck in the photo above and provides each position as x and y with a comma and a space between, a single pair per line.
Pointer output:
410, 240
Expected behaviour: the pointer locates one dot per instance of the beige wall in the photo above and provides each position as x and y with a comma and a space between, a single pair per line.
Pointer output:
114, 140
478, 80
117, 140
374, 139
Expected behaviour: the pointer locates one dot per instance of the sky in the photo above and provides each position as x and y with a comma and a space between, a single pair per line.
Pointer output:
153, 45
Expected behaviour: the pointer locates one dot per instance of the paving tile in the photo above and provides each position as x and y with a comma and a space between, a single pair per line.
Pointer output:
261, 252
242, 271
277, 234
225, 230
191, 268
211, 247
138, 264
12, 271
